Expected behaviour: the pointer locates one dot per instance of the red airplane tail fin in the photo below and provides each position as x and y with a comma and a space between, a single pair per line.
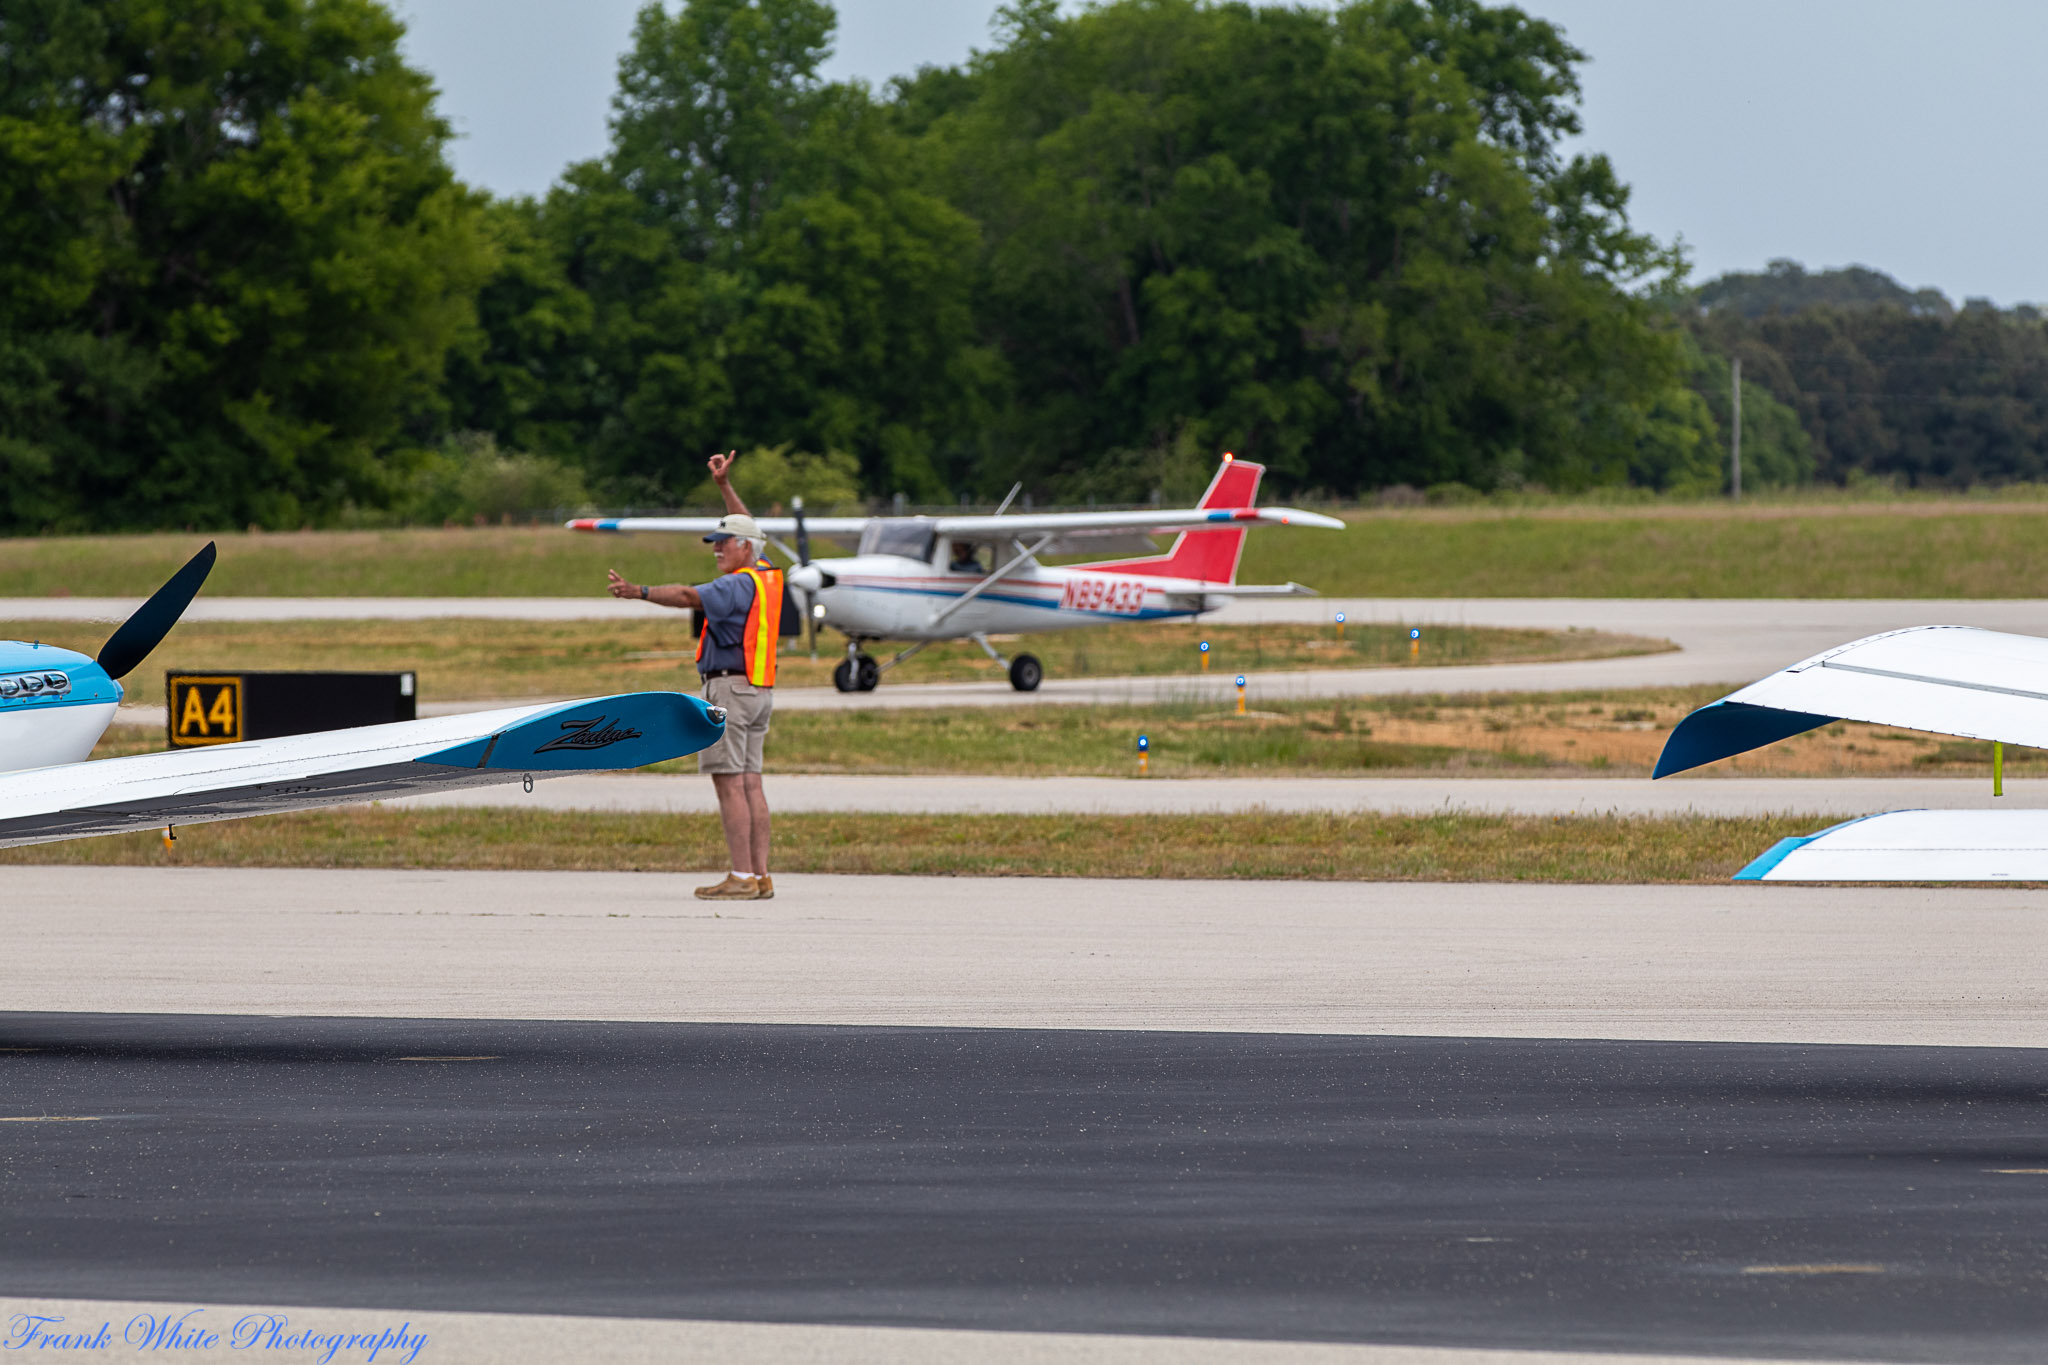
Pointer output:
1210, 556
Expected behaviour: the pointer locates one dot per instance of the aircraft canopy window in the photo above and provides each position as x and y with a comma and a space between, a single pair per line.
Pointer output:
909, 537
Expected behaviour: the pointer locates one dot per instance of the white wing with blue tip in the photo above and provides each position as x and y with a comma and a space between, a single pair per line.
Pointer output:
1949, 680
336, 767
1914, 846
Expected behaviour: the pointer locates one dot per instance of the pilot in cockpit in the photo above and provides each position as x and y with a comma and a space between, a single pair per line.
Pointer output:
966, 558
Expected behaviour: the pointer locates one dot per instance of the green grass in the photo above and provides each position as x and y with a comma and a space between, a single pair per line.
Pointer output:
1939, 551
1326, 739
1915, 549
471, 659
1251, 845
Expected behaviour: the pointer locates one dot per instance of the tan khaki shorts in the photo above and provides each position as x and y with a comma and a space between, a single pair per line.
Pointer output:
746, 726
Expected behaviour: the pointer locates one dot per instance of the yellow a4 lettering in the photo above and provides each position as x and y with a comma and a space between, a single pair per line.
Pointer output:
192, 720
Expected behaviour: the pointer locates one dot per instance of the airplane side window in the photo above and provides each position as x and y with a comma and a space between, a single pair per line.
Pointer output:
909, 538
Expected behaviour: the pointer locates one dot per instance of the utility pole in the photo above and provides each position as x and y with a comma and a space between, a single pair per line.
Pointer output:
1735, 435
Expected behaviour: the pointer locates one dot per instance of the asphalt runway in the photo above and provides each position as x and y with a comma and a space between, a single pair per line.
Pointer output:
1883, 1204
1822, 798
1729, 641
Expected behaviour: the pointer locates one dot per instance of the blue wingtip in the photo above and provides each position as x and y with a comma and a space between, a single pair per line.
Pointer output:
1724, 728
629, 730
1777, 853
1784, 848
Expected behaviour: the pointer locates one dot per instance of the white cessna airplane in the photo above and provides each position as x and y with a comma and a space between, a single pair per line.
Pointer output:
55, 704
925, 579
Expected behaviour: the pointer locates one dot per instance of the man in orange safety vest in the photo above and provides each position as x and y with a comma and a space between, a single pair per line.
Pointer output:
742, 613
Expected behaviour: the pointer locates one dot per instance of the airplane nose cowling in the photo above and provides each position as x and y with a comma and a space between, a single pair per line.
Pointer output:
809, 578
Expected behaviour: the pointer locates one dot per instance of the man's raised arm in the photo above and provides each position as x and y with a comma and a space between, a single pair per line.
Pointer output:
721, 466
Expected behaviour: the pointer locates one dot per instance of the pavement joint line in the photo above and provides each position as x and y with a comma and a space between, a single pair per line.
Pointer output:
52, 1118
1846, 1268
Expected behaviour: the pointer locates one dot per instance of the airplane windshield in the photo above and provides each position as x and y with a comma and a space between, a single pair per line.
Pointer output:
909, 537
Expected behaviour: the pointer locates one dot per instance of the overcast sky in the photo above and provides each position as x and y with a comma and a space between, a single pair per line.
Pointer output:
1889, 133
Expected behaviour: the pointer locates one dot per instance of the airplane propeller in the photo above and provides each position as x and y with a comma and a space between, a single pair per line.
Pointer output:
131, 643
803, 559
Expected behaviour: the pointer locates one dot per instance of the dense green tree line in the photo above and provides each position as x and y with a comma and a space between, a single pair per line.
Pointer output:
234, 261
241, 284
1884, 382
1110, 246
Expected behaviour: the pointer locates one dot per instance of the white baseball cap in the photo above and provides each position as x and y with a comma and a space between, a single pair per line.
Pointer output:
735, 524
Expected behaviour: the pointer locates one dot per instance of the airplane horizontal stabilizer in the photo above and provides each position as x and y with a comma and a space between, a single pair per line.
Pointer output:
338, 767
1258, 590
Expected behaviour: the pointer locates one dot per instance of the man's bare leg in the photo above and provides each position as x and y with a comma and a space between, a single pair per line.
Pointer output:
757, 813
736, 814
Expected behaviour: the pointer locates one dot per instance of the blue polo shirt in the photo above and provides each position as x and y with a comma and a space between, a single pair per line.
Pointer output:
727, 600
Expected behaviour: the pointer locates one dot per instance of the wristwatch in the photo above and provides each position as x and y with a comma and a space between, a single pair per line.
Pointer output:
643, 592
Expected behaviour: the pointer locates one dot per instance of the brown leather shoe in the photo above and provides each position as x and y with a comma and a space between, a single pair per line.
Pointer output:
731, 889
764, 887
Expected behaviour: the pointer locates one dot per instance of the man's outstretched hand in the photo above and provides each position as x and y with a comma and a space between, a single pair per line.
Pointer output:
719, 464
619, 587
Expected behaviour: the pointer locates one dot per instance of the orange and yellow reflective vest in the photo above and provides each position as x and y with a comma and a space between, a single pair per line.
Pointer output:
764, 624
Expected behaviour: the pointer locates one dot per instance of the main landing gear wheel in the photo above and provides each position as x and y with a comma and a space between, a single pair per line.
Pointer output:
1026, 673
857, 675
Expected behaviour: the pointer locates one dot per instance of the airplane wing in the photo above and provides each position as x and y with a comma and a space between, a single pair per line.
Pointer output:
1951, 680
828, 528
336, 767
1148, 521
1914, 846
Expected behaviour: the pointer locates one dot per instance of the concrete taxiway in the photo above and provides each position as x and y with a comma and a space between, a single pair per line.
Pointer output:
977, 795
1730, 963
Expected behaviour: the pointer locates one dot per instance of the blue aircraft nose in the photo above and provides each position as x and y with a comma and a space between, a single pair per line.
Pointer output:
35, 676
